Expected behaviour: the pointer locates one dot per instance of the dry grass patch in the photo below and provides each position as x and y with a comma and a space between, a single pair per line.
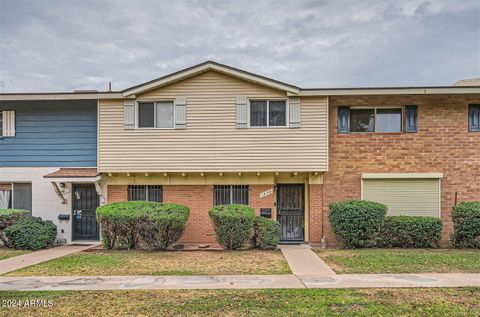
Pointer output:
161, 263
279, 302
6, 253
402, 260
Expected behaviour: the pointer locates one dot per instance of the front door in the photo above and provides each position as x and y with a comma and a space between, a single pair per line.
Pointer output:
290, 212
85, 203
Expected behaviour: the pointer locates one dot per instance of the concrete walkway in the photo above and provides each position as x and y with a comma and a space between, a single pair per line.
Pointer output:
303, 261
237, 281
21, 261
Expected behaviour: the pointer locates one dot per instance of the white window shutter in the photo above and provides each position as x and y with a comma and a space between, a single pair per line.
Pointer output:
180, 113
242, 112
8, 124
294, 112
129, 114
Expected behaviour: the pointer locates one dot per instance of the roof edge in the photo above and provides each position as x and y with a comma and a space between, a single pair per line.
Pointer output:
206, 66
389, 91
61, 96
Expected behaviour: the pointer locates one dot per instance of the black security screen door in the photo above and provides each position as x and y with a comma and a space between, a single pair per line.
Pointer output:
290, 212
85, 202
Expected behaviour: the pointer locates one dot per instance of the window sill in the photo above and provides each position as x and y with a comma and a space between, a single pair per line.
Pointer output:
148, 129
374, 133
273, 127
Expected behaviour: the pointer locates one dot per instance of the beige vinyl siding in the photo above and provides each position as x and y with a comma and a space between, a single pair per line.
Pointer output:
410, 197
211, 140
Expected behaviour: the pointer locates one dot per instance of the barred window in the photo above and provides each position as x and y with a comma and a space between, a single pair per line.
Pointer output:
145, 193
230, 194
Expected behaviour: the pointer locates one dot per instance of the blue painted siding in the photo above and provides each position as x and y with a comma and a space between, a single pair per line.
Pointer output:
51, 133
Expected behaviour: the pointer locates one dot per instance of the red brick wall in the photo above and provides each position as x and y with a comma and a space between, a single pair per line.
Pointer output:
257, 202
116, 193
442, 144
199, 198
315, 206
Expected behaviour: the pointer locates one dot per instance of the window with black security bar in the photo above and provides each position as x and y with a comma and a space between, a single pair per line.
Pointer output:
230, 194
145, 193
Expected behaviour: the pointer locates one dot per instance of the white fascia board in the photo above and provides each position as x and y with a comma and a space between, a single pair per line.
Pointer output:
389, 91
53, 96
203, 68
74, 179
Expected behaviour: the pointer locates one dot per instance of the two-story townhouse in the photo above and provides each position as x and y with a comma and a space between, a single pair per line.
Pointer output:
212, 134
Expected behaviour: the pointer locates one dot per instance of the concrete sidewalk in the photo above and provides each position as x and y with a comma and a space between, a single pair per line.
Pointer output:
303, 261
237, 281
21, 261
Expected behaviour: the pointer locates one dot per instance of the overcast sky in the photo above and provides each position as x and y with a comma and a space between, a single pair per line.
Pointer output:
66, 45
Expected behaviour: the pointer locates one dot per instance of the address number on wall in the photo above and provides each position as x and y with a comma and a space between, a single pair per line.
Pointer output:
266, 193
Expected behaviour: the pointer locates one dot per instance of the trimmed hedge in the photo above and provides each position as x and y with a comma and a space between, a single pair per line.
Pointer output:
163, 227
466, 225
7, 218
125, 224
266, 233
31, 233
233, 225
411, 232
120, 223
357, 223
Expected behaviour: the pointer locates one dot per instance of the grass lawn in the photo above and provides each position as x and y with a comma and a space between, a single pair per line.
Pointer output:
101, 262
402, 260
297, 302
6, 253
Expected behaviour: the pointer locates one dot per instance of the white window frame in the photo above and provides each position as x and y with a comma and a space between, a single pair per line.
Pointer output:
402, 119
137, 114
268, 126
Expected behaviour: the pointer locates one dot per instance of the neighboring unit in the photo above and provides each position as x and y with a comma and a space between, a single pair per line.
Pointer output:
212, 134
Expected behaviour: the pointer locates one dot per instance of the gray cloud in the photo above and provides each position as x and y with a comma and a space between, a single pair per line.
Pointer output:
66, 45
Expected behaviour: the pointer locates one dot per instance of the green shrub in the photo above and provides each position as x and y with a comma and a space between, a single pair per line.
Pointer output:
31, 233
466, 225
357, 223
266, 233
411, 232
164, 225
233, 225
7, 218
124, 224
120, 223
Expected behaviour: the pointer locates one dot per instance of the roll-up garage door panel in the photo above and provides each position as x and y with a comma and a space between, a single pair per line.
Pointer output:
411, 197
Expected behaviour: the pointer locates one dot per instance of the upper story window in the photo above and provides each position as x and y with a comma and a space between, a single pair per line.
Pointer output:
7, 123
377, 119
156, 115
268, 113
230, 194
474, 118
145, 193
